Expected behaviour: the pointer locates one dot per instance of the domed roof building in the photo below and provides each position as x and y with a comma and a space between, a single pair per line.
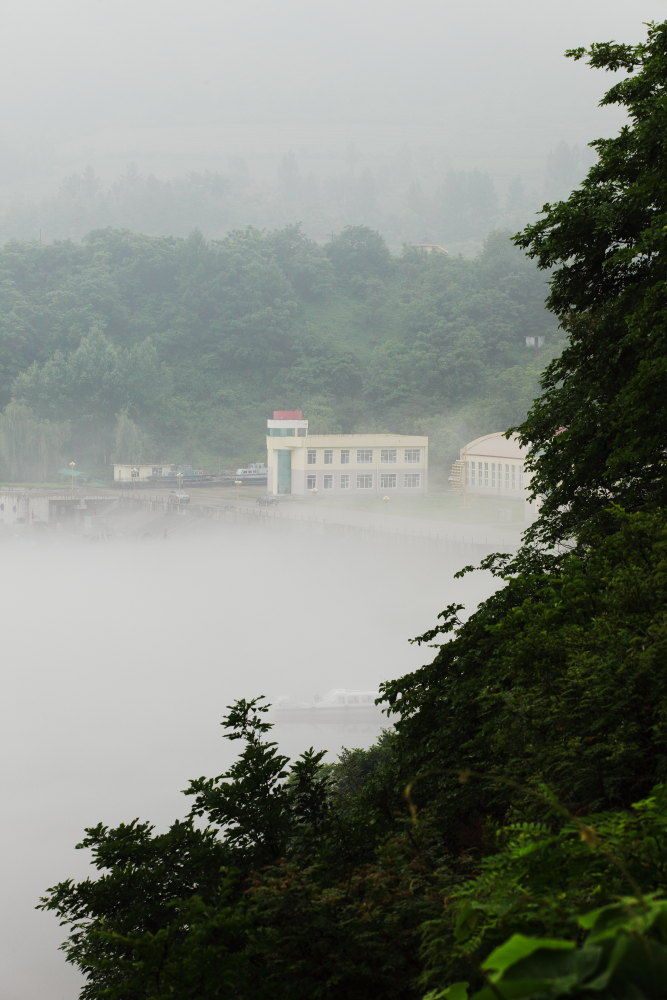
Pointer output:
495, 464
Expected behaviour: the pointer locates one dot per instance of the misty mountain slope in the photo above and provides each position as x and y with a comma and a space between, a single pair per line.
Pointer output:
190, 338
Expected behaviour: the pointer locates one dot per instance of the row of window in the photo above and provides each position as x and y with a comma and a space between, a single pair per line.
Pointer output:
365, 456
366, 481
283, 432
495, 474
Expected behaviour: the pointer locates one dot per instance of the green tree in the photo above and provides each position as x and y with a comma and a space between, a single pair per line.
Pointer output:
597, 430
87, 382
161, 902
303, 262
166, 915
555, 682
321, 368
130, 443
542, 875
554, 678
30, 448
359, 254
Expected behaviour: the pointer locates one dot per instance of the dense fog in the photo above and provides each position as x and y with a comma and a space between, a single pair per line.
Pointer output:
121, 656
120, 81
159, 116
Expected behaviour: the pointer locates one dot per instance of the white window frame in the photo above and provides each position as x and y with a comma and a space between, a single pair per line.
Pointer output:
328, 456
412, 456
327, 482
387, 480
311, 456
362, 454
311, 482
345, 456
345, 481
412, 480
365, 481
387, 456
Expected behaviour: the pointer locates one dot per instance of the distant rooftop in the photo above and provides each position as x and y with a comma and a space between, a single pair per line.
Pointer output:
430, 247
496, 445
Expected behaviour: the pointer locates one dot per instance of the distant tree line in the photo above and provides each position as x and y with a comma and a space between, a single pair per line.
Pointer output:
409, 197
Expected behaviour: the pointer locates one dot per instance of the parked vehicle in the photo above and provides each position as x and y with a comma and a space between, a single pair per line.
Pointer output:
267, 501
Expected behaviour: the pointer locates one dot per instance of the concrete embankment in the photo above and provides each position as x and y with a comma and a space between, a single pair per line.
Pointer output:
104, 512
219, 506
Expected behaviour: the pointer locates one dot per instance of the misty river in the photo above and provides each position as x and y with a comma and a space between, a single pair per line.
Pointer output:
121, 656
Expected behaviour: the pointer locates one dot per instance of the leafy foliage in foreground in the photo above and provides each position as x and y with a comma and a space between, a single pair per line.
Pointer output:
556, 677
597, 432
242, 906
624, 954
508, 838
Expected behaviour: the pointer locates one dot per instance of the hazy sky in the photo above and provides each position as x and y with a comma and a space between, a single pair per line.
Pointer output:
174, 83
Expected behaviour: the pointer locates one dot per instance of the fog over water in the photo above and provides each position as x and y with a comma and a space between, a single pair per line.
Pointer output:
121, 656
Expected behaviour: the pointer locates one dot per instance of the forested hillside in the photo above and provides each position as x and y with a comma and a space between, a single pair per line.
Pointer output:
508, 838
136, 348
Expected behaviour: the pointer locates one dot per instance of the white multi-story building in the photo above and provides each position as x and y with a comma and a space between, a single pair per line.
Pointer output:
342, 464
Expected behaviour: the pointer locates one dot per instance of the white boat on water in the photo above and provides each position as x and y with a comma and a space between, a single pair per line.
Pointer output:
337, 704
255, 473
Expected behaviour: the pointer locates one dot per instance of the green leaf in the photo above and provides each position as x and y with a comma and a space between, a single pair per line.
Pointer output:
556, 968
467, 923
518, 989
518, 947
457, 991
630, 913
